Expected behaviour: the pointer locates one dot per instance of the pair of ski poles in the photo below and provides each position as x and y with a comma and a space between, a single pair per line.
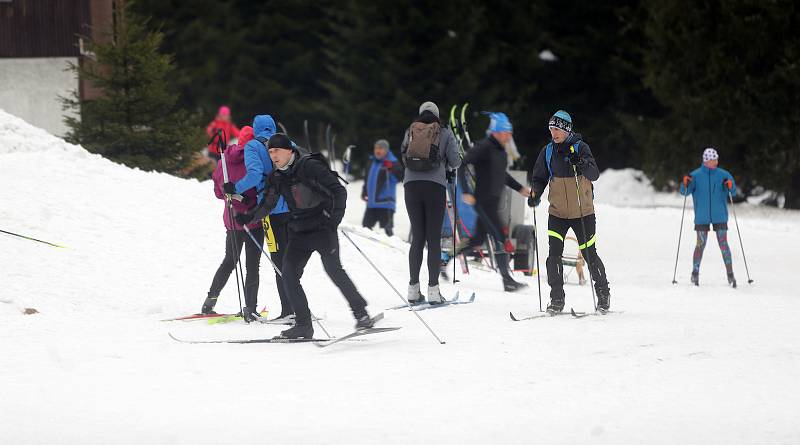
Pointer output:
738, 232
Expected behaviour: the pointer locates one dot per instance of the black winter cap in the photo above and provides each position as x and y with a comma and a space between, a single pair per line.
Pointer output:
279, 140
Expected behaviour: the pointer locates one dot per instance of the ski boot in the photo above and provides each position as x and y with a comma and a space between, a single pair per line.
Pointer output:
363, 320
696, 278
434, 296
283, 319
556, 303
509, 285
603, 300
414, 295
251, 314
299, 330
208, 306
732, 280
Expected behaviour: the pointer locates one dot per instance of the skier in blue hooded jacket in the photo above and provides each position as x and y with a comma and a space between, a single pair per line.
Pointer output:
382, 174
710, 187
259, 165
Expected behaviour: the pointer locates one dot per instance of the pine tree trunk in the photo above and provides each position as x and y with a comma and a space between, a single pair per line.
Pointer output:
793, 191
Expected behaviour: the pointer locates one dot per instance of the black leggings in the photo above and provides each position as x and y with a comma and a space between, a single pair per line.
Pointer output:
253, 257
425, 203
556, 231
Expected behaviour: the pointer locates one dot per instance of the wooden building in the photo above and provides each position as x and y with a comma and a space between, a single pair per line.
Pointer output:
38, 41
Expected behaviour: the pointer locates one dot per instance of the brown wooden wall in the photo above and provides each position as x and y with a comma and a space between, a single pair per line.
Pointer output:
43, 28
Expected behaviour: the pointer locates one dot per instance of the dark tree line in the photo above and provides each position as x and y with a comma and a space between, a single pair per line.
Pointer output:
649, 83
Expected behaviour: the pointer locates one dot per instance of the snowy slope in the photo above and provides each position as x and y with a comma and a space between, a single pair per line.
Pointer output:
95, 366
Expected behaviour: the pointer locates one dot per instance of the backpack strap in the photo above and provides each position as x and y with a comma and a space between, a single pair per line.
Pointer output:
548, 153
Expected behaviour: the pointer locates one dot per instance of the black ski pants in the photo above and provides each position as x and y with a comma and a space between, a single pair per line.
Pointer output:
296, 256
556, 231
384, 217
426, 202
488, 210
280, 230
253, 257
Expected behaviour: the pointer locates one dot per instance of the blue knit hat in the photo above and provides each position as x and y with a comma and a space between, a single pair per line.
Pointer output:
562, 120
499, 122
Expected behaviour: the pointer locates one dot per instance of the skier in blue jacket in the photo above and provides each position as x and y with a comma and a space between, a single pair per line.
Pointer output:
259, 165
382, 174
710, 187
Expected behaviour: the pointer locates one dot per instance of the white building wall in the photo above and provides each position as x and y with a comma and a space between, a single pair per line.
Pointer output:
30, 89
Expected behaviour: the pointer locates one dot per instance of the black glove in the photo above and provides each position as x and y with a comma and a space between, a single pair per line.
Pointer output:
534, 201
229, 188
243, 218
450, 175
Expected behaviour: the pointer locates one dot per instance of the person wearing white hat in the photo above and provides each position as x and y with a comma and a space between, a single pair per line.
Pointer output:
710, 187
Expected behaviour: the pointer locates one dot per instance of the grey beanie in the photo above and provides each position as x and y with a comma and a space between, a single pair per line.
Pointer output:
429, 106
383, 143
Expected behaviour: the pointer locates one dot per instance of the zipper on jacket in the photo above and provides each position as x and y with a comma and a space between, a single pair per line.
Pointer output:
710, 194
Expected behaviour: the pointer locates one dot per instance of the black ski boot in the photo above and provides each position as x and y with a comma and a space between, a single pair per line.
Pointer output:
251, 314
299, 330
363, 320
509, 284
603, 300
696, 278
556, 302
732, 280
208, 306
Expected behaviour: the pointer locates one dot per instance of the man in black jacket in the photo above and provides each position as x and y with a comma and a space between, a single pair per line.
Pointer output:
490, 159
556, 166
316, 203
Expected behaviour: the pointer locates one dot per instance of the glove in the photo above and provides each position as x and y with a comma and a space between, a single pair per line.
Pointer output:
686, 180
229, 188
243, 218
727, 183
534, 201
575, 159
450, 175
387, 164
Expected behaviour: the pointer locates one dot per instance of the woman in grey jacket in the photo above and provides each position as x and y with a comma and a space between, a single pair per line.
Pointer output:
426, 197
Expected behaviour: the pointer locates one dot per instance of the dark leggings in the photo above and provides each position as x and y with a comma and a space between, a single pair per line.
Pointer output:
425, 203
253, 257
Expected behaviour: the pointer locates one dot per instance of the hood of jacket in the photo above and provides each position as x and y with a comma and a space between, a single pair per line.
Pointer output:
263, 126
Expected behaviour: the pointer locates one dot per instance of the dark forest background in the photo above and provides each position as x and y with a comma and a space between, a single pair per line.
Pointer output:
649, 84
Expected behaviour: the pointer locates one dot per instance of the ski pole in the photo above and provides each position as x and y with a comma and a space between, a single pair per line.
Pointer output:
33, 239
680, 234
391, 285
234, 249
585, 235
536, 249
453, 198
739, 232
274, 266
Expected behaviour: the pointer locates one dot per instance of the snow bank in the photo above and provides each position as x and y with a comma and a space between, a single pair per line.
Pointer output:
97, 363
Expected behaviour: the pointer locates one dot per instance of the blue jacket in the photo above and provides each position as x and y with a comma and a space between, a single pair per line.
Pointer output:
380, 183
709, 194
257, 161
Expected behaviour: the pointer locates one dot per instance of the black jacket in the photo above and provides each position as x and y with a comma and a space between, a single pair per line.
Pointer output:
315, 197
491, 169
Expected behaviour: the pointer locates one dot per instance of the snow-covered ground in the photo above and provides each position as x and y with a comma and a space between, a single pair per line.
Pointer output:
95, 366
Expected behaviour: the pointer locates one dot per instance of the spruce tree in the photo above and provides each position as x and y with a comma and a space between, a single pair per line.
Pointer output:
135, 121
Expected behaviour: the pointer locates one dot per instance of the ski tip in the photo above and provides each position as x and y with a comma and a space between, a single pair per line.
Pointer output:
511, 314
